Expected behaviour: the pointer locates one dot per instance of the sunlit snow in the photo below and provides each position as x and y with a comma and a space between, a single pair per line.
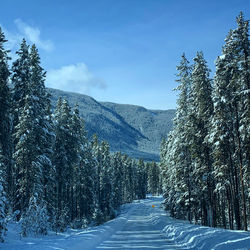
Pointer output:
140, 225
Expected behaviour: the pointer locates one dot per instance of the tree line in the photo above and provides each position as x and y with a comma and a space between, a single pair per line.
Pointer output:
51, 175
205, 161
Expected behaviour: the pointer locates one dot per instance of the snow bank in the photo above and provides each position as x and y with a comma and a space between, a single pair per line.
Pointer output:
76, 239
200, 237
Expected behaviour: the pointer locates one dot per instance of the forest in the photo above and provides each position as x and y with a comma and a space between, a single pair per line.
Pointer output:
51, 176
205, 161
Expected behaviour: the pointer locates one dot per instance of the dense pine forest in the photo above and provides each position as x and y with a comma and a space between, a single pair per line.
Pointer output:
52, 177
205, 160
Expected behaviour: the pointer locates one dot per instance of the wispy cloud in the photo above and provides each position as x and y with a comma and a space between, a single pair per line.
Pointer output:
13, 38
74, 77
33, 35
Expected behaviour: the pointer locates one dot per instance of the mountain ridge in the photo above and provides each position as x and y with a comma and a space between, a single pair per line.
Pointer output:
128, 128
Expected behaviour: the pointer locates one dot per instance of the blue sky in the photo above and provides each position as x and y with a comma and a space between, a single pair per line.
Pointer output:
123, 51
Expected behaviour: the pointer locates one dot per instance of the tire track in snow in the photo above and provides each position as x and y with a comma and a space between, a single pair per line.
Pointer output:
141, 230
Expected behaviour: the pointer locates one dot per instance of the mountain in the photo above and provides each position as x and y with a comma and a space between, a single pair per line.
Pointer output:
130, 129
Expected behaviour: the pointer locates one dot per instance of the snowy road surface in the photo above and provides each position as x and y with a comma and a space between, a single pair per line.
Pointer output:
141, 229
139, 226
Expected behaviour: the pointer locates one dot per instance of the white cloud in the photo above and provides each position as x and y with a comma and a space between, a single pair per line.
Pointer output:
32, 34
12, 38
75, 78
13, 41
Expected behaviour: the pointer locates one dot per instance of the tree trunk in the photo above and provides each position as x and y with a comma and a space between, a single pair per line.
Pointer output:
241, 172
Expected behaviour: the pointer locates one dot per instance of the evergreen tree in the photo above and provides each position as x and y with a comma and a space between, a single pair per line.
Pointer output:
222, 138
29, 177
87, 176
200, 115
209, 146
105, 181
141, 180
83, 190
35, 221
20, 80
65, 158
180, 165
97, 154
3, 223
243, 58
32, 132
116, 179
168, 172
21, 85
59, 178
5, 119
229, 132
184, 166
44, 128
61, 161
153, 178
128, 182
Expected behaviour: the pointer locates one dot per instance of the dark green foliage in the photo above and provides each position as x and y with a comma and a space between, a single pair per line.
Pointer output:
205, 161
3, 224
64, 158
141, 180
28, 168
153, 178
20, 80
6, 179
55, 177
5, 118
33, 136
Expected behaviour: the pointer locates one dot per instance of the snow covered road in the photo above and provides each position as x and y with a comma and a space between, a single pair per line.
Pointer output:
140, 225
141, 229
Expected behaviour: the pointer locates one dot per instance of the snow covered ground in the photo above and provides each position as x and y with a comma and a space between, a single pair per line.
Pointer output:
139, 226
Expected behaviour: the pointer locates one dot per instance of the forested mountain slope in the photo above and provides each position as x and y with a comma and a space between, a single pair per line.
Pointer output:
130, 129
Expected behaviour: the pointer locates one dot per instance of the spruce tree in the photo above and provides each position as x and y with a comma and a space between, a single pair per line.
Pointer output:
5, 119
32, 131
86, 173
44, 127
128, 190
141, 180
153, 178
116, 180
21, 84
170, 186
61, 161
209, 146
105, 182
179, 160
34, 222
200, 117
3, 220
97, 154
83, 205
243, 58
229, 133
20, 80
29, 171
184, 165
65, 158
